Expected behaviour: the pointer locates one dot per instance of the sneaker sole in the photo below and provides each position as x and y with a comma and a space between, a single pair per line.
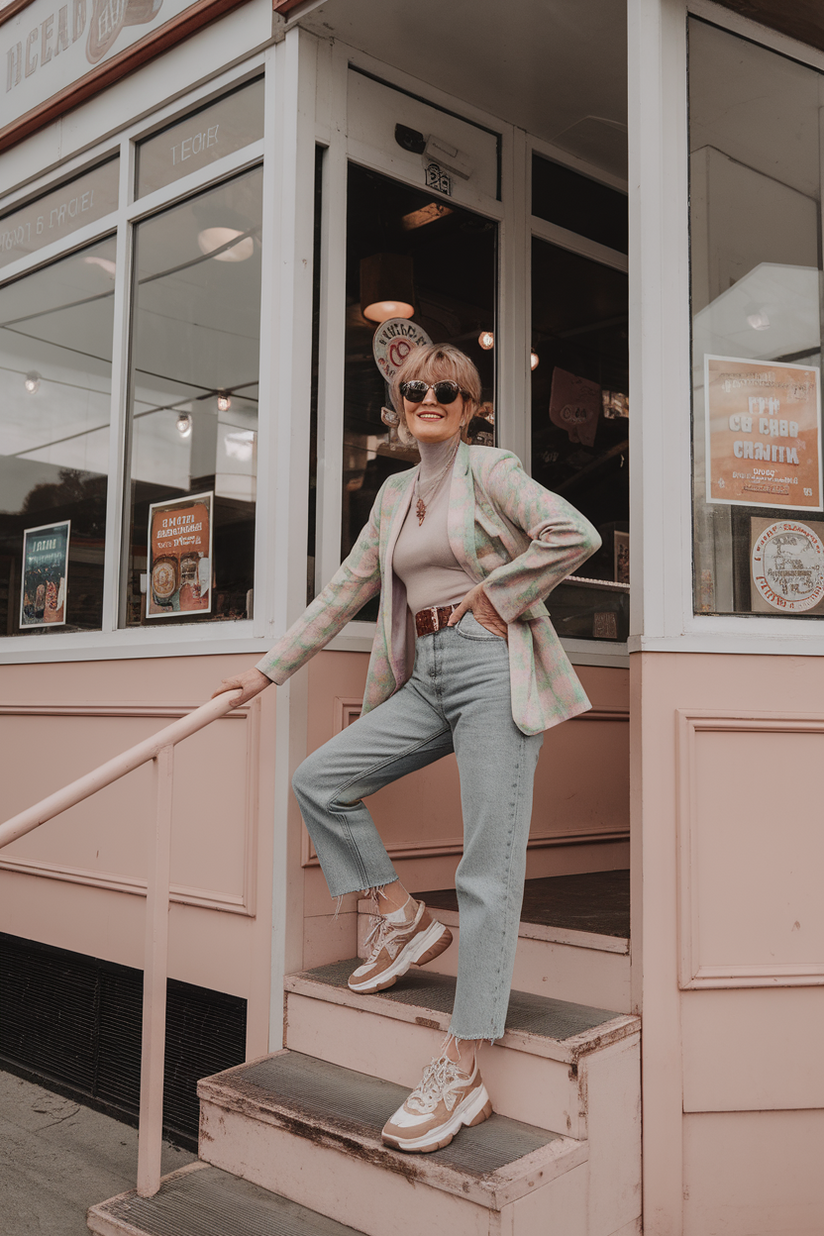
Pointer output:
478, 1109
424, 948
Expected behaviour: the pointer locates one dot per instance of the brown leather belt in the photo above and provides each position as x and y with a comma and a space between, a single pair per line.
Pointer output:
428, 621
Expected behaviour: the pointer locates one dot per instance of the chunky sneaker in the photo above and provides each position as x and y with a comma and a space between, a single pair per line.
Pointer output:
397, 946
444, 1099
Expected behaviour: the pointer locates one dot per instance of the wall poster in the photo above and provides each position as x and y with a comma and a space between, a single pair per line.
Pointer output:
763, 433
180, 557
45, 575
787, 566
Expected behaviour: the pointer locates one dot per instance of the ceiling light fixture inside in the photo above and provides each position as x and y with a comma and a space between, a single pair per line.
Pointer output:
214, 238
426, 214
486, 339
386, 289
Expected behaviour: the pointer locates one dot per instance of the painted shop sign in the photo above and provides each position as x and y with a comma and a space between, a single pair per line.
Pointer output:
50, 50
763, 433
392, 343
179, 580
45, 575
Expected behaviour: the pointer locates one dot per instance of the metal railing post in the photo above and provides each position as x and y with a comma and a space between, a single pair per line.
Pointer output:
155, 965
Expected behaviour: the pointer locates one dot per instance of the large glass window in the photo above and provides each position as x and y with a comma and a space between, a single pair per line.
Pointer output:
755, 192
443, 257
580, 387
56, 361
193, 407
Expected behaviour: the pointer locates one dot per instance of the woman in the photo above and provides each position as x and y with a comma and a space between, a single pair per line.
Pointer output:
470, 545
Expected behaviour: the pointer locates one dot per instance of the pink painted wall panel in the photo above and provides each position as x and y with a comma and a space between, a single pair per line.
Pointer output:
78, 881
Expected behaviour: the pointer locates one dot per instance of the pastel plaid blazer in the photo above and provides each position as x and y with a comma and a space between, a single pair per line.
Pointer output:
505, 530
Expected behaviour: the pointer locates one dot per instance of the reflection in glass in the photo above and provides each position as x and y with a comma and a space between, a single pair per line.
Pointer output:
755, 225
225, 125
453, 264
55, 373
59, 212
580, 425
194, 381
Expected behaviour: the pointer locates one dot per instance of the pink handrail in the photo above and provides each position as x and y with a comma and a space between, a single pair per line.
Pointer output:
160, 749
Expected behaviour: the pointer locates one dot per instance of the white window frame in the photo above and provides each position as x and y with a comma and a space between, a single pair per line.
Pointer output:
513, 330
111, 641
662, 615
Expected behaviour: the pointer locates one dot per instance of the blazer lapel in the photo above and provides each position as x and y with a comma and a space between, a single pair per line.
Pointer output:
461, 518
394, 621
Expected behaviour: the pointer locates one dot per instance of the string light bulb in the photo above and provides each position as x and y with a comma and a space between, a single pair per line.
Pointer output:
32, 382
486, 339
224, 403
534, 360
184, 425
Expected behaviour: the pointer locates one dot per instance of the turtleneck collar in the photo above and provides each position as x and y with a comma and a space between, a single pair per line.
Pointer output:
435, 454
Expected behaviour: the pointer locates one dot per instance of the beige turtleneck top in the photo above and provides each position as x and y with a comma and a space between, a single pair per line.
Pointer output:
423, 558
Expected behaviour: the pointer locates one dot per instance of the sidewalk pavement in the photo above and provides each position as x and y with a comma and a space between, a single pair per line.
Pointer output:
58, 1158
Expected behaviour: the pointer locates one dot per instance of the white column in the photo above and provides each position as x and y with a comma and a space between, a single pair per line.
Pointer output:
660, 557
286, 367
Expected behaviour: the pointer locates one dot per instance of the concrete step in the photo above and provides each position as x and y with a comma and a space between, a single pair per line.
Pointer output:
310, 1131
200, 1200
573, 940
538, 1072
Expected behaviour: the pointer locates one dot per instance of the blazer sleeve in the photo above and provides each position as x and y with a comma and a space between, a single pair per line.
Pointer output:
560, 537
355, 582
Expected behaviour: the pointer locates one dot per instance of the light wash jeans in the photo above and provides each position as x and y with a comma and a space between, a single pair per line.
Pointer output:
458, 699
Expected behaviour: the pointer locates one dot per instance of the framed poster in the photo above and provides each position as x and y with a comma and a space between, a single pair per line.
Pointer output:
763, 433
179, 580
45, 575
786, 566
621, 557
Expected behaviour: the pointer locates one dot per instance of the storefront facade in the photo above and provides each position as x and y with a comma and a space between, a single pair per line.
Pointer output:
202, 210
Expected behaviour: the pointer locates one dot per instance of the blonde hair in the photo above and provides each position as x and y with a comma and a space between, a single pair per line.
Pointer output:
437, 362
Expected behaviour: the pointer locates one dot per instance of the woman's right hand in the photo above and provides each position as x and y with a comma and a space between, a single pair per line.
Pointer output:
251, 682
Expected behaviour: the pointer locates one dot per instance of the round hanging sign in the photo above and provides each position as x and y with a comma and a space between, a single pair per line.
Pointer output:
392, 343
788, 566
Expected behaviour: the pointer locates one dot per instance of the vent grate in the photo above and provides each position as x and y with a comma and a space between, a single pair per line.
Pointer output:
73, 1022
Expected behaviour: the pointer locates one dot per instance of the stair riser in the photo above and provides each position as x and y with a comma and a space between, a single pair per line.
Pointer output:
343, 1185
611, 1084
563, 971
530, 1088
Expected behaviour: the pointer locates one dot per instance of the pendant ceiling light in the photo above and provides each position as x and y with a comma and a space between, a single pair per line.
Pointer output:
386, 288
225, 244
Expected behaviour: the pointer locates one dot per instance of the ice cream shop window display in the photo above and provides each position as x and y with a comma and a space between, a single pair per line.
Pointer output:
171, 298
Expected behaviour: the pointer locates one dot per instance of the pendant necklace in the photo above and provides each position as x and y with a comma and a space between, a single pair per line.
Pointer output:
433, 487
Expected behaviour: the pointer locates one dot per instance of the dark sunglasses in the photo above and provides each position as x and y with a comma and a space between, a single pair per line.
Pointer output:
445, 392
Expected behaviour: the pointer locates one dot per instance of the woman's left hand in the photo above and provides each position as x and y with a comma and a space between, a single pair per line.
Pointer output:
483, 611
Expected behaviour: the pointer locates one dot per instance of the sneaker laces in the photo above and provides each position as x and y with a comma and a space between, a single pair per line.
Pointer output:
380, 931
436, 1077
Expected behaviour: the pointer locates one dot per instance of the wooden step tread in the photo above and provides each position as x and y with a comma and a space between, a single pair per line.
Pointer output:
336, 1107
541, 1024
204, 1201
596, 902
